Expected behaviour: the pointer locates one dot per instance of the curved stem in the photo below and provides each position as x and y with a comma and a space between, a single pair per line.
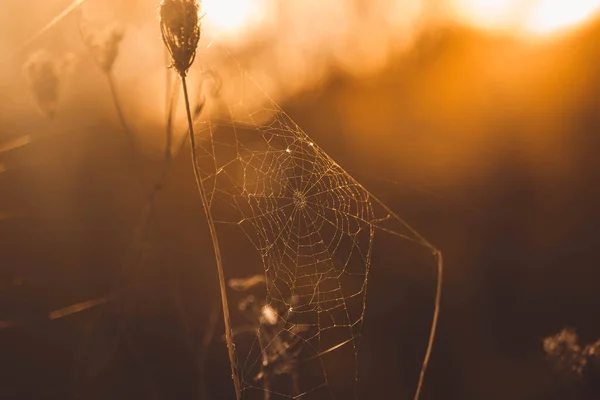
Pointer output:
434, 322
438, 294
213, 235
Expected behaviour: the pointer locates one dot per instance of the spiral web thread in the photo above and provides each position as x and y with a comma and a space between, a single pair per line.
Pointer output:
313, 227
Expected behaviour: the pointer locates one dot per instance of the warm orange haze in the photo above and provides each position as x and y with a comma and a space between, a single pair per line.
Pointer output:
299, 199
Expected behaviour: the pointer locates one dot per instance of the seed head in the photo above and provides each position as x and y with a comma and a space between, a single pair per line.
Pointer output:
45, 74
103, 43
180, 27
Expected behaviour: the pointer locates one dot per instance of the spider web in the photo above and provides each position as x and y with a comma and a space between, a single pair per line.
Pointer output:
313, 228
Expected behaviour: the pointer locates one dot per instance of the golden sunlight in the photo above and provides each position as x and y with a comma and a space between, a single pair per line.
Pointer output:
490, 14
525, 16
230, 17
552, 15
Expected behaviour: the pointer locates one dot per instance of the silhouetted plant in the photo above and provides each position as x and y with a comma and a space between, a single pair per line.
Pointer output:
45, 74
180, 27
103, 44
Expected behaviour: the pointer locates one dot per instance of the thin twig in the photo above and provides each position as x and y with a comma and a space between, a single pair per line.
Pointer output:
215, 242
115, 97
172, 108
140, 236
438, 294
434, 322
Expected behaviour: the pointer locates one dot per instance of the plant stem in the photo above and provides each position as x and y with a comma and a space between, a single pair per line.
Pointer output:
436, 316
213, 235
172, 107
113, 92
135, 256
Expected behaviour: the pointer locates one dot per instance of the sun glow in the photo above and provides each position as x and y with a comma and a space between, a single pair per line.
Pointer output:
231, 17
525, 16
552, 15
489, 14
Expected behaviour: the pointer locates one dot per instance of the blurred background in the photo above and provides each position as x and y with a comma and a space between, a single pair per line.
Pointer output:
476, 120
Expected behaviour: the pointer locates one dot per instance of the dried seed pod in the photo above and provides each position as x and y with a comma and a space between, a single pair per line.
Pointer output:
180, 27
103, 43
45, 74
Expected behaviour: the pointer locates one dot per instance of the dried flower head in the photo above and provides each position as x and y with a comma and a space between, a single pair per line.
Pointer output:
280, 345
180, 27
566, 353
45, 74
103, 43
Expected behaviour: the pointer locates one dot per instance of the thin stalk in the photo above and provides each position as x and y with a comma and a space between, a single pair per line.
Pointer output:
436, 317
115, 97
169, 81
171, 96
140, 236
215, 242
135, 256
172, 108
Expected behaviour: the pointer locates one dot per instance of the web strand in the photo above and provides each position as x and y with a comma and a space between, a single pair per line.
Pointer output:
313, 227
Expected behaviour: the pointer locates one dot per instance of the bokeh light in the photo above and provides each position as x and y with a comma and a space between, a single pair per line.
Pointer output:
530, 17
233, 17
552, 15
489, 14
